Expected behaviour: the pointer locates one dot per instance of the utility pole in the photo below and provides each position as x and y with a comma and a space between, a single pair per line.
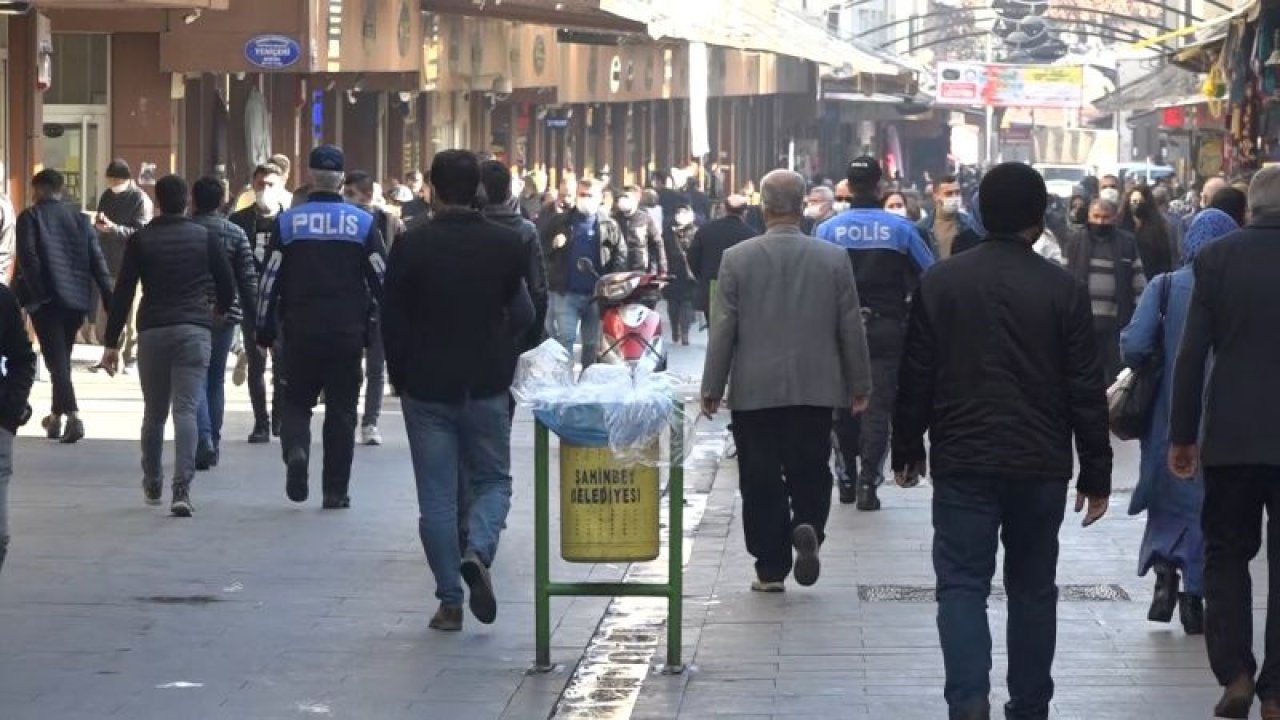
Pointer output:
991, 115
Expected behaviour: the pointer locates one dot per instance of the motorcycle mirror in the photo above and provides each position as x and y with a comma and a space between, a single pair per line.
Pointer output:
584, 266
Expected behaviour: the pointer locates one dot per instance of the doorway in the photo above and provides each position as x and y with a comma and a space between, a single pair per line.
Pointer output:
74, 144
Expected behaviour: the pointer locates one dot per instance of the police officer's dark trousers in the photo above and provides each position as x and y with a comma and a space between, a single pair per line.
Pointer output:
316, 362
885, 336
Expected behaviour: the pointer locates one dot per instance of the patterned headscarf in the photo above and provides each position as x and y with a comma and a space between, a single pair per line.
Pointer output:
1208, 225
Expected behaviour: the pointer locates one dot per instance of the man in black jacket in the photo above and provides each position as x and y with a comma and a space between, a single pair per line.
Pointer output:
59, 265
1000, 369
206, 197
1233, 316
123, 210
708, 248
257, 221
454, 314
19, 371
358, 189
179, 264
324, 273
504, 210
646, 251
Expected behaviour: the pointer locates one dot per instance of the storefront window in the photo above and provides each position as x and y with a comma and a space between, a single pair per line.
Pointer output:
80, 65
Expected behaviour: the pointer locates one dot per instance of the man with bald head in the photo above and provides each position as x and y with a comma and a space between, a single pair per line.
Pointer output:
788, 326
709, 245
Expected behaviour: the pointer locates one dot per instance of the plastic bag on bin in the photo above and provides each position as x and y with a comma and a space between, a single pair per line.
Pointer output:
612, 406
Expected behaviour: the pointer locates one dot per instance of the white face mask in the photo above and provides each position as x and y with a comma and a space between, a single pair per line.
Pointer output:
120, 187
684, 218
1111, 195
588, 206
626, 205
952, 205
262, 199
899, 211
813, 211
840, 207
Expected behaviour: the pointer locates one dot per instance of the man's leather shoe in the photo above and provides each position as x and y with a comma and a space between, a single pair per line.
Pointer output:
976, 711
1236, 699
848, 493
1165, 597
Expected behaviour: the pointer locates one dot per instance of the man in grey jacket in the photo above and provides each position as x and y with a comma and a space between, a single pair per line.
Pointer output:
503, 209
789, 325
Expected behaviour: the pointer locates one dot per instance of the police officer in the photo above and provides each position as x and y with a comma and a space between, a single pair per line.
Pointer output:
324, 270
888, 254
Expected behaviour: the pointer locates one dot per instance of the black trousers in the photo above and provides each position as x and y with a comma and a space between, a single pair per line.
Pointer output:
1234, 498
785, 480
258, 371
333, 365
1107, 335
56, 329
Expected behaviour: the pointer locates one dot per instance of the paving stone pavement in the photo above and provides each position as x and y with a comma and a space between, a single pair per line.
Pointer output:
821, 652
256, 609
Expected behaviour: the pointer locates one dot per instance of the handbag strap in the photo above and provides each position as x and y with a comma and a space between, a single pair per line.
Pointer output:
1165, 281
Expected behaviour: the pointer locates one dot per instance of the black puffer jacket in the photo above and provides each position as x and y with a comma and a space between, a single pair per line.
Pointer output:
243, 266
176, 261
59, 259
508, 215
1001, 369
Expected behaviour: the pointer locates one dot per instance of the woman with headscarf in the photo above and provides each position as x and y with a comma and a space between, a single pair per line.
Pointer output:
1173, 543
1143, 218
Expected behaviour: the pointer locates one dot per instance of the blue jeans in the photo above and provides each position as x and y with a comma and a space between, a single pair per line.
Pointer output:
970, 516
448, 442
213, 400
567, 311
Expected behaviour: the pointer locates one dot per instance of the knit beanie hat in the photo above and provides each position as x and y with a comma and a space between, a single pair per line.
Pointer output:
1012, 198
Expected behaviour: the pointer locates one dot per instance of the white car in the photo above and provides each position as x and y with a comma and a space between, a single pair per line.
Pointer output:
1061, 180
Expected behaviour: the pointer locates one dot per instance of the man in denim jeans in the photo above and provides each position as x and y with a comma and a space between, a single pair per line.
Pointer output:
585, 231
1000, 368
454, 309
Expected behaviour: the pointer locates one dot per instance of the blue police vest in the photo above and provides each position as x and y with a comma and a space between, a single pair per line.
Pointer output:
875, 229
325, 221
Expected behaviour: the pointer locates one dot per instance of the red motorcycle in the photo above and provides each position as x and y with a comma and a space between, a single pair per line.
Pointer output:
630, 326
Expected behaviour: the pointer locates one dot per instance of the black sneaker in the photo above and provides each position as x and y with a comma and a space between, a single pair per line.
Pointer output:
296, 484
261, 433
867, 499
482, 601
336, 502
206, 458
74, 432
848, 493
181, 506
151, 491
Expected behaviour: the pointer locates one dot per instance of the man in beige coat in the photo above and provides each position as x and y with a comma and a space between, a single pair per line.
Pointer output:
788, 327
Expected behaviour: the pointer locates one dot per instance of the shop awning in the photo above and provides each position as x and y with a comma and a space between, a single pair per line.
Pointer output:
1170, 86
621, 16
765, 26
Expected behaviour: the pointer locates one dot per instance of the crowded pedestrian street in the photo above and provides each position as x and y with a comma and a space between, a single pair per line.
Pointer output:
264, 610
639, 359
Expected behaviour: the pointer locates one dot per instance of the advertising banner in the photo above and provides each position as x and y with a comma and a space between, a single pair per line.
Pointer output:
1027, 86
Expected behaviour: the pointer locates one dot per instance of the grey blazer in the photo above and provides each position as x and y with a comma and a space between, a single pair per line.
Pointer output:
787, 325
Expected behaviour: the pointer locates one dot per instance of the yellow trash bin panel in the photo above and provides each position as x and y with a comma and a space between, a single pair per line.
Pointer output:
608, 508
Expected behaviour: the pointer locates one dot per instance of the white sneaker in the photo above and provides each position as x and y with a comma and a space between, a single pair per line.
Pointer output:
369, 435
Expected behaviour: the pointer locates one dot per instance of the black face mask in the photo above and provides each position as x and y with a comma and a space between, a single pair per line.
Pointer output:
1102, 231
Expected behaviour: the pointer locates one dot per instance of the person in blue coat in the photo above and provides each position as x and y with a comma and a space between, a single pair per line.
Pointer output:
1173, 543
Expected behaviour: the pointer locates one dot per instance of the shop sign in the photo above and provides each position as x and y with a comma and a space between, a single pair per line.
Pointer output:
272, 52
1032, 86
557, 122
